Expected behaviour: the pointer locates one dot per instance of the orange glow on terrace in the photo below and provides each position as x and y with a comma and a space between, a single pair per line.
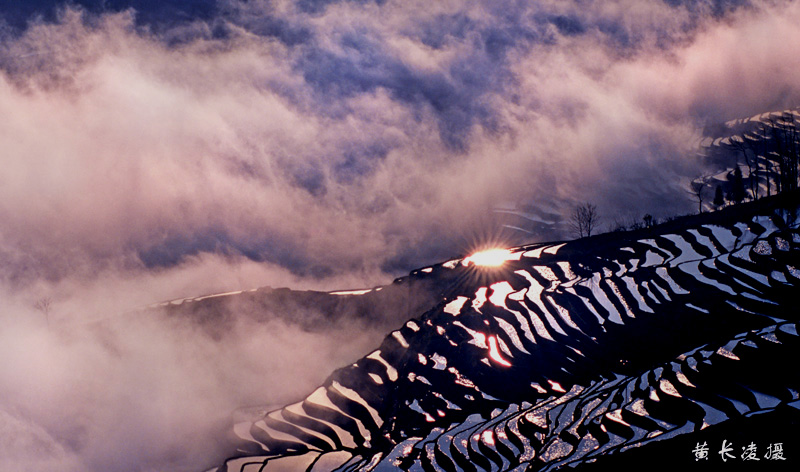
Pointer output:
489, 258
494, 353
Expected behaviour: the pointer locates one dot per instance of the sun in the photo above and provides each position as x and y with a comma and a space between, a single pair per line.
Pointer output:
489, 258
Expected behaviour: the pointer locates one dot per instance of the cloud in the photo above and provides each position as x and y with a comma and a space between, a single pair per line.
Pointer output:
150, 391
315, 145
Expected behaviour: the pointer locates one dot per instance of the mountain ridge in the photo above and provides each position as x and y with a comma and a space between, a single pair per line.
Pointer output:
552, 318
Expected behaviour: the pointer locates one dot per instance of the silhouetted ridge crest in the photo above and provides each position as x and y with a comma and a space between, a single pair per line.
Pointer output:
563, 354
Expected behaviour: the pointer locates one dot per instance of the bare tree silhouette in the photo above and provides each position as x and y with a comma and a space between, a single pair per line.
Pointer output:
584, 220
44, 305
696, 188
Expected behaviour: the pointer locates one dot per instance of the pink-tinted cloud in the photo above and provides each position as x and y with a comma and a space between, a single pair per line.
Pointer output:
328, 147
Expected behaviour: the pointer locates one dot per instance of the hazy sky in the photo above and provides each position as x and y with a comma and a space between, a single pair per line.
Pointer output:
193, 147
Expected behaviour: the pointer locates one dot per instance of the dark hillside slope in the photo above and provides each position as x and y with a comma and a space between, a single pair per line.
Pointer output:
570, 353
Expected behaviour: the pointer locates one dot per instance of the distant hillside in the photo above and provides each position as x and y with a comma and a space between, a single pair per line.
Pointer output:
764, 148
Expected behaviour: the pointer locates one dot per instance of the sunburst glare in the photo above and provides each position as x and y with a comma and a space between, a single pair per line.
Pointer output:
489, 258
